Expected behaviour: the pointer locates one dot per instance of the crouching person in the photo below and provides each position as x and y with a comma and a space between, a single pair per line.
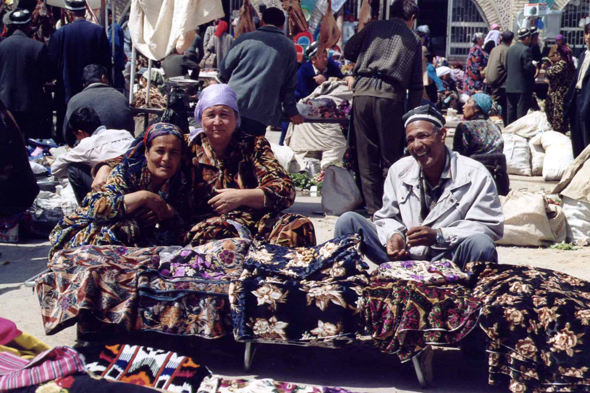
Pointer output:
437, 204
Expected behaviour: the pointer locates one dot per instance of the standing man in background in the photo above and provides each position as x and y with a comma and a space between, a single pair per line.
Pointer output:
520, 80
388, 57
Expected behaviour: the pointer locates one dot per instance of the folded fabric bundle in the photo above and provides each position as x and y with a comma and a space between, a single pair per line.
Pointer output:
16, 372
217, 384
307, 296
538, 325
145, 366
426, 272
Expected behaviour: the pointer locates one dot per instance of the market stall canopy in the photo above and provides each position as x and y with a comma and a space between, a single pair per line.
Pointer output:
155, 25
93, 4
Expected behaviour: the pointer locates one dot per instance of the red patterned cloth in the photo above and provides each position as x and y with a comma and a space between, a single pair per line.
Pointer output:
16, 372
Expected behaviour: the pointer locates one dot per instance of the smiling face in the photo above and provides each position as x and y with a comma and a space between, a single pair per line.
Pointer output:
320, 61
426, 145
219, 123
163, 157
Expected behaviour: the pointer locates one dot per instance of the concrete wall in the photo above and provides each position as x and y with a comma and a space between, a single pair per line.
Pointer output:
504, 11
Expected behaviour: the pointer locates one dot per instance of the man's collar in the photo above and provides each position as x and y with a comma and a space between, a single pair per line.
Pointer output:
315, 70
99, 130
271, 28
19, 32
97, 84
446, 173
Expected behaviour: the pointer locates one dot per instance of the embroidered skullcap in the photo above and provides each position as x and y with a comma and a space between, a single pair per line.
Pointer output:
424, 113
218, 94
559, 37
483, 101
523, 33
423, 29
442, 71
534, 31
20, 17
312, 49
75, 5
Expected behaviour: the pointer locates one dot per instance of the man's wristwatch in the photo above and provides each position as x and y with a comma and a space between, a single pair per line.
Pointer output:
439, 237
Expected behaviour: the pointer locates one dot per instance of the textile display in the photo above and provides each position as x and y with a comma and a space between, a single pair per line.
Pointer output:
25, 346
146, 366
100, 281
217, 384
538, 325
84, 383
403, 317
155, 25
303, 296
426, 272
16, 372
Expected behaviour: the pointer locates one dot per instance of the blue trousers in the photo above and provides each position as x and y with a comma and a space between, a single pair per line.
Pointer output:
476, 248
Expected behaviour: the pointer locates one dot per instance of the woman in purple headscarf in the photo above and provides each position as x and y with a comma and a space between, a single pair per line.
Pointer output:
236, 178
140, 205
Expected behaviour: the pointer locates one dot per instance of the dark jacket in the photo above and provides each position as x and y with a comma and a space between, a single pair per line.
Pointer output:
305, 82
261, 67
18, 186
24, 68
73, 47
388, 57
584, 94
520, 69
111, 106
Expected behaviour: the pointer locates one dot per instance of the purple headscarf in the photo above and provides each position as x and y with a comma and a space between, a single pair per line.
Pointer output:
216, 95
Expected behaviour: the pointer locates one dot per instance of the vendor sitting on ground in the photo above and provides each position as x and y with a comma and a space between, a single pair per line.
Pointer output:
139, 205
436, 204
237, 177
96, 143
478, 134
449, 97
316, 71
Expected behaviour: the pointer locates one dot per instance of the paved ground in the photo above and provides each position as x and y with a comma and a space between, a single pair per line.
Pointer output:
360, 369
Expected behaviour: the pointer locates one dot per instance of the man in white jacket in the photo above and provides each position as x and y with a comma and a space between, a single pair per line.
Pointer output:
436, 204
95, 144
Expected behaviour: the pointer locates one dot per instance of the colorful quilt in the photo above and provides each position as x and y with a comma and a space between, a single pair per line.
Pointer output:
146, 366
303, 296
538, 325
426, 272
217, 384
99, 282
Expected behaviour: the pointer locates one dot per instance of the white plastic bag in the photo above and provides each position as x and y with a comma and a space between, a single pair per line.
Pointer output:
518, 155
530, 125
537, 155
558, 154
340, 193
578, 220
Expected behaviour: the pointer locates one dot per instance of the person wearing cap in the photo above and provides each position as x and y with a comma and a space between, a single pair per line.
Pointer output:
236, 178
261, 67
449, 97
496, 72
577, 100
520, 77
437, 203
23, 72
316, 71
478, 134
73, 47
388, 71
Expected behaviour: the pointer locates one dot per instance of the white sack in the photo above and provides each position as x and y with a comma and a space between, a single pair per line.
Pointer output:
37, 168
530, 125
287, 158
155, 25
578, 220
558, 154
526, 221
537, 155
340, 194
518, 155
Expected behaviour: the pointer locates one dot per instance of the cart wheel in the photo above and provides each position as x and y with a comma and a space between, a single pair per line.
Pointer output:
249, 353
423, 367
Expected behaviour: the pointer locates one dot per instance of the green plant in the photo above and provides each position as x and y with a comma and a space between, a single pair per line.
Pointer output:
563, 246
302, 181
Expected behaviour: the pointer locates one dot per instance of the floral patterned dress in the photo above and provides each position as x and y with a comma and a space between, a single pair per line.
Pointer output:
476, 62
478, 136
101, 220
249, 164
560, 77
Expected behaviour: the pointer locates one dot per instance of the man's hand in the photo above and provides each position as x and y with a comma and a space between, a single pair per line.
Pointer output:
350, 81
297, 119
319, 79
226, 200
421, 236
396, 248
101, 178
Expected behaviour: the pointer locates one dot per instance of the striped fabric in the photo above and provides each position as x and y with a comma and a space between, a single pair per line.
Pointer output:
16, 372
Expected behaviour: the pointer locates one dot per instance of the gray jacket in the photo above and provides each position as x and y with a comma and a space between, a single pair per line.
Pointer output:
262, 68
111, 106
468, 204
